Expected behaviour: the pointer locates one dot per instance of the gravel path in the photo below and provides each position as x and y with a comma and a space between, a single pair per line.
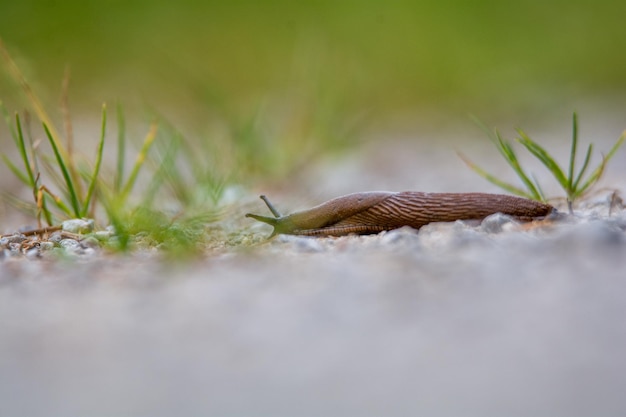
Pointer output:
456, 319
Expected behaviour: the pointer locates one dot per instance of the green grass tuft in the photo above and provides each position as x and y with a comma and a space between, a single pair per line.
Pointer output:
570, 183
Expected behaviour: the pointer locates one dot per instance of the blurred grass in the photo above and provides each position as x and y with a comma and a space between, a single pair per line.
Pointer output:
259, 89
358, 55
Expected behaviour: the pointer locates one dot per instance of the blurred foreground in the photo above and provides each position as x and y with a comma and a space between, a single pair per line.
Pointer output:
455, 319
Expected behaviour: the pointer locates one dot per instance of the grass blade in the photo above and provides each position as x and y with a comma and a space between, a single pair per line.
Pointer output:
48, 164
141, 158
66, 175
21, 144
597, 173
96, 170
15, 170
584, 168
545, 158
616, 146
56, 199
572, 155
509, 155
121, 148
7, 119
32, 180
18, 204
494, 180
166, 172
539, 189
19, 78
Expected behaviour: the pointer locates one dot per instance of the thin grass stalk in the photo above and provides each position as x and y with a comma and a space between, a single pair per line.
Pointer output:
23, 153
27, 179
41, 206
141, 157
66, 175
539, 189
7, 119
509, 155
584, 167
546, 159
69, 132
15, 170
49, 165
166, 172
18, 76
572, 156
112, 208
121, 149
597, 173
172, 174
494, 180
96, 170
27, 166
65, 110
18, 204
57, 200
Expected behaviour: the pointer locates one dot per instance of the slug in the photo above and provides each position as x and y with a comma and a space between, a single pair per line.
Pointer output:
374, 212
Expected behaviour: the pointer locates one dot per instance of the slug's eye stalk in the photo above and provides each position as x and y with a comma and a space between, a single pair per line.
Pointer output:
272, 221
269, 220
270, 206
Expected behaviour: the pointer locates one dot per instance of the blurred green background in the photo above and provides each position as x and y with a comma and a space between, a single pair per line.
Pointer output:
253, 92
361, 57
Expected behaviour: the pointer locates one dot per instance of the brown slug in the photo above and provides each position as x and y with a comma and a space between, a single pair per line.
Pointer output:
374, 212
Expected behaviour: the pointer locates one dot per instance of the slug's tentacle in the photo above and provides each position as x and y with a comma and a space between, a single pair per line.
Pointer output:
272, 221
270, 206
374, 212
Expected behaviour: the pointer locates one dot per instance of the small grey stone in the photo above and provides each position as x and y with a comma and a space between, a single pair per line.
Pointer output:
33, 253
90, 242
103, 234
78, 225
55, 237
497, 222
69, 244
88, 252
17, 238
402, 236
46, 245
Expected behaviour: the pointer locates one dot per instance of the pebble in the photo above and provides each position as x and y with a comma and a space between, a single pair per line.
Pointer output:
17, 238
497, 223
46, 245
90, 242
55, 237
69, 244
404, 235
104, 234
78, 226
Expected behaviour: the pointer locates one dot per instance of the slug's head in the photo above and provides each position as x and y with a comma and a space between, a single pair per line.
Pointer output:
279, 222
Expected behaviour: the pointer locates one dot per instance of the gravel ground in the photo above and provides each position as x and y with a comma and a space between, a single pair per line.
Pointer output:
486, 319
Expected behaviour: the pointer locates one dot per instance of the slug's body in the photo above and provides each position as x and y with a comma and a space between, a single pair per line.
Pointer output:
374, 212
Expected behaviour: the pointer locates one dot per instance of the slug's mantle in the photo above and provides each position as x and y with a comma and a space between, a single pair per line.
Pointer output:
374, 212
